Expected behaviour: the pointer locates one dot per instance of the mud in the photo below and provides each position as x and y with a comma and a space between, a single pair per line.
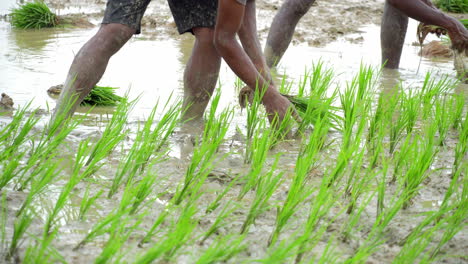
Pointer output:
6, 103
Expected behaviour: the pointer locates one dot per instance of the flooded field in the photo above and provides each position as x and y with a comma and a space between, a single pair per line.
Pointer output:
130, 184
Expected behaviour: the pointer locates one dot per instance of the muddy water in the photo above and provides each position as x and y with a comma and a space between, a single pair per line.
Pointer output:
151, 65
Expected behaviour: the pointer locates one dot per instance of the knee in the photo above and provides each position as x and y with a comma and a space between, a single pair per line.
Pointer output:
297, 8
111, 37
204, 36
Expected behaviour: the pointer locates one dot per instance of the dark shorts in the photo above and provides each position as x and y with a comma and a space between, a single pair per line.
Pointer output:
187, 14
126, 12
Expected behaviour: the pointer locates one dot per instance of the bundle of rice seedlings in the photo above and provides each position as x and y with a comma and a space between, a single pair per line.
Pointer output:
33, 15
454, 6
321, 106
99, 95
102, 96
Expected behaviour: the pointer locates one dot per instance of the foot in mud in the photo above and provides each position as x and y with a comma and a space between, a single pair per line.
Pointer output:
6, 103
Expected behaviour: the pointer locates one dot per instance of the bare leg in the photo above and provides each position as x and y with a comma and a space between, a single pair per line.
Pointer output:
89, 65
282, 29
201, 74
249, 38
392, 35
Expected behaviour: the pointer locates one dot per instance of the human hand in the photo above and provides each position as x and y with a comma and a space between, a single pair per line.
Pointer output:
459, 36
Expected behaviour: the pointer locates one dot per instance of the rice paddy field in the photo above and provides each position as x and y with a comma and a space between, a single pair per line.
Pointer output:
377, 172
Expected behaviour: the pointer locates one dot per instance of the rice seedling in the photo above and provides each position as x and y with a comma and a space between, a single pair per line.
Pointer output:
86, 203
297, 192
423, 154
3, 221
45, 175
253, 121
147, 142
33, 15
320, 205
203, 156
261, 143
443, 119
22, 223
142, 191
43, 251
177, 236
223, 249
282, 253
217, 201
227, 210
113, 134
461, 149
119, 234
267, 184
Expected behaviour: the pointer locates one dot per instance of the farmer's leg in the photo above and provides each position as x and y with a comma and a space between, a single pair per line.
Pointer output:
392, 35
249, 38
121, 20
90, 63
282, 29
201, 73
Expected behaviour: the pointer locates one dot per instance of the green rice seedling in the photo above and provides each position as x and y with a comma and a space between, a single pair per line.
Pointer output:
285, 87
423, 157
282, 253
142, 191
43, 251
461, 149
223, 249
119, 235
227, 210
355, 102
46, 174
458, 104
261, 143
113, 134
431, 91
297, 192
45, 149
217, 201
376, 122
22, 223
178, 235
147, 142
381, 188
455, 6
352, 224
86, 203
162, 216
397, 129
267, 184
33, 15
253, 121
204, 154
410, 105
102, 96
3, 221
443, 119
454, 223
320, 206
16, 133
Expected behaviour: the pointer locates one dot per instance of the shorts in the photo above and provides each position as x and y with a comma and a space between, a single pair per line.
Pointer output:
126, 12
187, 14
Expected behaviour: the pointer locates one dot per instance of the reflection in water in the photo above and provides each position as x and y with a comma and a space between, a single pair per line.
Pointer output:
32, 39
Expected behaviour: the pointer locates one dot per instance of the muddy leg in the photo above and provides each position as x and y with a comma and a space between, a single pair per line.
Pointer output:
249, 38
201, 74
392, 35
90, 63
282, 29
